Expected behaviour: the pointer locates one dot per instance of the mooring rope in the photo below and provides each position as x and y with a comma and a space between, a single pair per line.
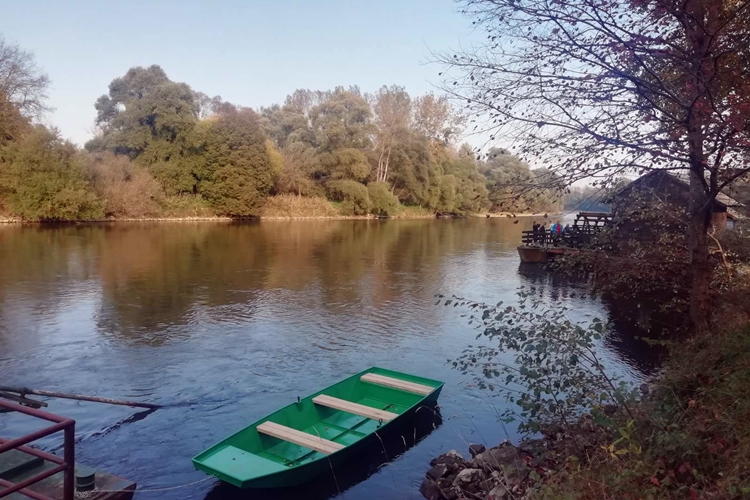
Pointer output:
90, 493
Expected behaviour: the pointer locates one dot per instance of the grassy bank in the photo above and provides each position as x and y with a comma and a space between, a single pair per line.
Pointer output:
689, 438
281, 207
302, 207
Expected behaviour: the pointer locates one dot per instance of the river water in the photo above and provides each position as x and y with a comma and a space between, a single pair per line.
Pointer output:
224, 323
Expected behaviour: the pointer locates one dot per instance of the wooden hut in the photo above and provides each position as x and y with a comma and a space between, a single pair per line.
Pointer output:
661, 188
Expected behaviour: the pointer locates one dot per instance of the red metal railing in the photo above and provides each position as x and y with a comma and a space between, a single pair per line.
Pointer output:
66, 464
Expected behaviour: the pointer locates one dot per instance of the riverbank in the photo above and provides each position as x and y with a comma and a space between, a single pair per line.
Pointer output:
513, 214
12, 221
687, 437
409, 215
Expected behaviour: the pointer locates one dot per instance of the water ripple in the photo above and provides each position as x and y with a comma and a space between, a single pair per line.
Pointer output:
226, 323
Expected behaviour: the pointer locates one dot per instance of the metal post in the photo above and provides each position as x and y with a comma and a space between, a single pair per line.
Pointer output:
69, 483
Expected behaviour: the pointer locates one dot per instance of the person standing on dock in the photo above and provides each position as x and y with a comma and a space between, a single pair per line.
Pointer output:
554, 232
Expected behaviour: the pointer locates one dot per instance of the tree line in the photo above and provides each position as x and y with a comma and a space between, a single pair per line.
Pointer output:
164, 149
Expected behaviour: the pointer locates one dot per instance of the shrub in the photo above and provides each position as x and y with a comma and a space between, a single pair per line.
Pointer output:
411, 211
736, 243
354, 198
544, 363
287, 205
382, 200
46, 179
127, 190
186, 205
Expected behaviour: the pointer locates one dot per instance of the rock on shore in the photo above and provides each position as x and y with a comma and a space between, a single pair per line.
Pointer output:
497, 473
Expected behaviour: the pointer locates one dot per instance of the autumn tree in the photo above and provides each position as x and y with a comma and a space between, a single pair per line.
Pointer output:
436, 119
22, 83
393, 109
607, 88
300, 164
126, 189
12, 123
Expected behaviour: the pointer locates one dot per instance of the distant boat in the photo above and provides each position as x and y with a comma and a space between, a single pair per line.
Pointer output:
305, 439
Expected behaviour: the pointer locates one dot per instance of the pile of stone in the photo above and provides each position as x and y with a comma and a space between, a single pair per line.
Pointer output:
499, 473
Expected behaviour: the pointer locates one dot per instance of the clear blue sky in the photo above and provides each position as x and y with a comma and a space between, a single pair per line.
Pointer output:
251, 52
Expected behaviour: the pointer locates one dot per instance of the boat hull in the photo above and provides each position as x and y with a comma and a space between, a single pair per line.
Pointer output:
308, 472
249, 459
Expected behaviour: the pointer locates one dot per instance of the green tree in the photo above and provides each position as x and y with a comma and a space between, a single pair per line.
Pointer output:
291, 122
382, 200
508, 180
354, 197
415, 175
238, 173
347, 163
471, 193
342, 121
446, 202
47, 179
152, 119
514, 187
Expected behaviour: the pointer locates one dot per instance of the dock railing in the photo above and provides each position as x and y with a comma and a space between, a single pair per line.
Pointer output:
583, 231
65, 464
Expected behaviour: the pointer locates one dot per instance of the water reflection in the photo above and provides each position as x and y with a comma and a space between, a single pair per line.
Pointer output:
155, 279
225, 323
630, 340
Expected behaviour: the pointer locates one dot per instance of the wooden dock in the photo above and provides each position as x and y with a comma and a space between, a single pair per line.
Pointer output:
540, 247
538, 255
17, 466
28, 472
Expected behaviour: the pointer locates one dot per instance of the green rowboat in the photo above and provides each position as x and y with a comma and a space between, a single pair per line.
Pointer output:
305, 439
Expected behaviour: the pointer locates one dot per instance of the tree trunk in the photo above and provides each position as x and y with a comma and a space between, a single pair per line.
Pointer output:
700, 222
387, 161
380, 163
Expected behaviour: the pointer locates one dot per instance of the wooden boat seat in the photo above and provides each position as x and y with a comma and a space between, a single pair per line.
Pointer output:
300, 438
354, 408
374, 378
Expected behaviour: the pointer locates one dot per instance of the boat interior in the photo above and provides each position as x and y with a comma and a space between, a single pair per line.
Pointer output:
317, 426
